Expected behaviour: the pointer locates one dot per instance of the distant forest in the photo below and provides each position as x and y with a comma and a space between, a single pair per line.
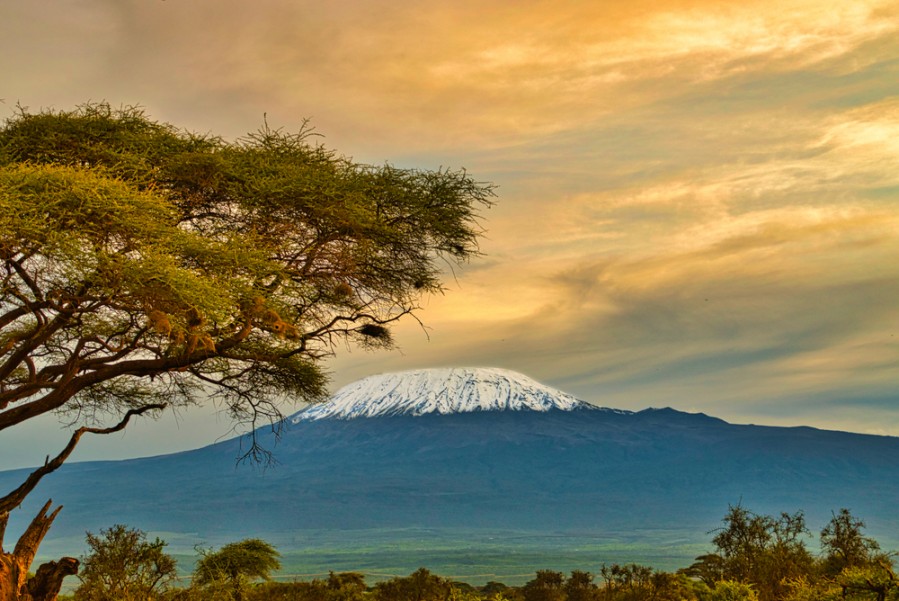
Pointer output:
755, 558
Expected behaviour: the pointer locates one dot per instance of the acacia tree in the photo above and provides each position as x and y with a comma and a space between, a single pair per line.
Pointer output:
845, 546
420, 585
123, 565
580, 587
547, 585
766, 552
237, 564
145, 267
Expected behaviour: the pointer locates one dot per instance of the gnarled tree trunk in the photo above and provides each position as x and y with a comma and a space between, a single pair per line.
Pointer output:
45, 584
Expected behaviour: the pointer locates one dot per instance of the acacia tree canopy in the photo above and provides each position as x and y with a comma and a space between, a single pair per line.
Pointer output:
845, 546
145, 266
237, 564
123, 565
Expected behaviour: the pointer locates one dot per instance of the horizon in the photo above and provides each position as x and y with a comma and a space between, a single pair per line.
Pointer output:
696, 199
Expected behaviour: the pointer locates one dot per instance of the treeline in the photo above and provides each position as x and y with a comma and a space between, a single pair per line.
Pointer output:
756, 558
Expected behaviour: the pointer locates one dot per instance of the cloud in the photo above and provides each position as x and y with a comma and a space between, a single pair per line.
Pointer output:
725, 245
697, 199
726, 309
471, 73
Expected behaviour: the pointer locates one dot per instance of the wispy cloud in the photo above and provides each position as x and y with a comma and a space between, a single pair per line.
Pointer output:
697, 198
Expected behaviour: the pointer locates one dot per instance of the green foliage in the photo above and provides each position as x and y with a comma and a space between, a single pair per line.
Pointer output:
767, 556
235, 565
730, 590
580, 587
626, 578
763, 551
421, 585
546, 586
845, 546
781, 570
143, 265
708, 568
494, 588
803, 589
123, 566
346, 586
875, 582
675, 587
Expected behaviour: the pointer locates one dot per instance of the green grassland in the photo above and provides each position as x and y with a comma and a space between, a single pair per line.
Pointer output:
473, 556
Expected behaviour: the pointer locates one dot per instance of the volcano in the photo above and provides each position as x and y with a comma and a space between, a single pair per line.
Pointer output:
481, 449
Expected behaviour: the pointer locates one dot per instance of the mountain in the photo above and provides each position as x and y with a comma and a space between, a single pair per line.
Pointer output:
481, 450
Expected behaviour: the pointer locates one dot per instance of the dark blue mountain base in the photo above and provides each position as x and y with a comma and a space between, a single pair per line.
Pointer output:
586, 471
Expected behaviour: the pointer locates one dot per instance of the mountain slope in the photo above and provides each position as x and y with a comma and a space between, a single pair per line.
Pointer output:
571, 467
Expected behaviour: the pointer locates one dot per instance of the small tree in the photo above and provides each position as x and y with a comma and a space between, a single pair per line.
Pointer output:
123, 565
237, 564
420, 585
844, 544
547, 585
760, 550
346, 586
580, 587
742, 542
708, 568
631, 582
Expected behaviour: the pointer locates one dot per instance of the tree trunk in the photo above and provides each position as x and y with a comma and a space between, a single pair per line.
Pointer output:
45, 584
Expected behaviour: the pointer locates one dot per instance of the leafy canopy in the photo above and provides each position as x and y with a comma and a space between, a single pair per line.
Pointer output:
237, 564
122, 565
145, 266
845, 545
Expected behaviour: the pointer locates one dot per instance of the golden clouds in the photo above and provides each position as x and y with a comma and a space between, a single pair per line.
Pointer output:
865, 141
506, 76
697, 197
489, 74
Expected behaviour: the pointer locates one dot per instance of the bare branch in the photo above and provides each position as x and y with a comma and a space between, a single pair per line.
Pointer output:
4, 519
15, 498
30, 540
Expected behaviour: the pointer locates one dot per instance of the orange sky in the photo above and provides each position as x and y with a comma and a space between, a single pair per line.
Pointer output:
697, 200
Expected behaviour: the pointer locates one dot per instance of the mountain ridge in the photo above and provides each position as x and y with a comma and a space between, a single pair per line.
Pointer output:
576, 469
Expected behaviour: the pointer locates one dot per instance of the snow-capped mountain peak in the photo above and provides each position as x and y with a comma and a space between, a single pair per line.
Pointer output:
443, 391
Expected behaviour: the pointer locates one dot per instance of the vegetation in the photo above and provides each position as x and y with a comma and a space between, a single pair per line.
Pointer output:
235, 565
755, 558
763, 551
123, 566
846, 546
142, 266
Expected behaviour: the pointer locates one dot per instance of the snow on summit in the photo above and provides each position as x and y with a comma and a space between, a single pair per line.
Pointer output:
445, 390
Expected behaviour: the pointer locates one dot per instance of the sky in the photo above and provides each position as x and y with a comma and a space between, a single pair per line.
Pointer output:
698, 200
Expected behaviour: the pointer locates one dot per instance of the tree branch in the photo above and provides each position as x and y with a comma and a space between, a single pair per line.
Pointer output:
18, 312
35, 339
15, 498
70, 385
27, 279
4, 518
31, 539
